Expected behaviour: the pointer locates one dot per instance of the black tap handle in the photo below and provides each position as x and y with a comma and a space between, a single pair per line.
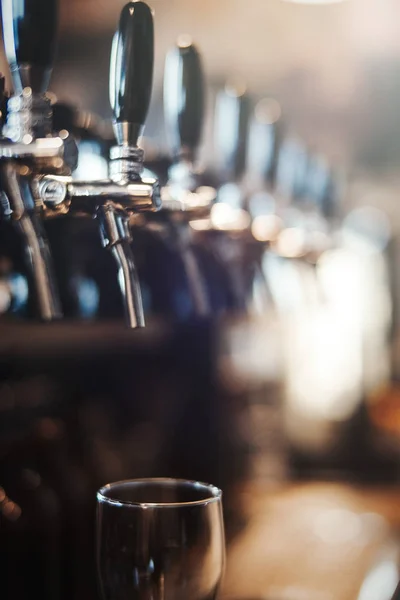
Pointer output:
184, 98
131, 71
29, 33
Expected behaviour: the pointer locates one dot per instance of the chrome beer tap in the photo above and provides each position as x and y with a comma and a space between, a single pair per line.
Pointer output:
28, 149
114, 200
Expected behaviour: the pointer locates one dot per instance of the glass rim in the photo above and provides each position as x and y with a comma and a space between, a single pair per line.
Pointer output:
215, 493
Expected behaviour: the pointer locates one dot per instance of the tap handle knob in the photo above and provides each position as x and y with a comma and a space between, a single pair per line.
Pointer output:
131, 72
184, 98
29, 33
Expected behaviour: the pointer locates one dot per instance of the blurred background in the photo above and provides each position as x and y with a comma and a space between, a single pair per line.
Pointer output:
279, 381
332, 66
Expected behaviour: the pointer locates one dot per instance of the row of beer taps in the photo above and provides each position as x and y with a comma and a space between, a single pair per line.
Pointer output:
268, 183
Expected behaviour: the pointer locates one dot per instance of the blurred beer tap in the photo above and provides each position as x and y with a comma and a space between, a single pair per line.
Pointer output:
28, 149
227, 230
184, 200
318, 203
265, 138
283, 263
184, 277
264, 144
232, 114
333, 289
184, 102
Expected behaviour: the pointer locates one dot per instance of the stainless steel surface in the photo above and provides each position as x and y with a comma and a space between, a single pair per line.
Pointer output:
134, 153
28, 223
29, 41
127, 134
85, 197
188, 205
116, 237
41, 148
40, 259
112, 203
23, 158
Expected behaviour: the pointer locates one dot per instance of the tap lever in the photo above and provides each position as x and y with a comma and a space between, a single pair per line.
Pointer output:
184, 99
29, 32
131, 72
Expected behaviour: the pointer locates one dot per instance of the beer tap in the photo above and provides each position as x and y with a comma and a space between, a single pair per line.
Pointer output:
264, 144
28, 149
230, 222
263, 148
111, 201
126, 191
183, 199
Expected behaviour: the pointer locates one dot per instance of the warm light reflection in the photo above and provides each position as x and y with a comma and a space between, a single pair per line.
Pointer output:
201, 224
226, 218
51, 97
324, 372
11, 510
318, 241
268, 111
5, 297
266, 228
207, 193
63, 134
236, 87
338, 526
291, 242
195, 200
179, 199
184, 41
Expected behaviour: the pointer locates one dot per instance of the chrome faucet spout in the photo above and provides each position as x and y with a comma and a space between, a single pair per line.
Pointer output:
28, 223
116, 237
